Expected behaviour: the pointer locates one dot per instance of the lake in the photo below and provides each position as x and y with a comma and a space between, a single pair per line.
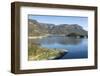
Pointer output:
77, 47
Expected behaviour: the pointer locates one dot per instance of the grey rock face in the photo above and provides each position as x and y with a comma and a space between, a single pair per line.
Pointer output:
37, 29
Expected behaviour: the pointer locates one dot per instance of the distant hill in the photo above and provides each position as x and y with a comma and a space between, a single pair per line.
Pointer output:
37, 29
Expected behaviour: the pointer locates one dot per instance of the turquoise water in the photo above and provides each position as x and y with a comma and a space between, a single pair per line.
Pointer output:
77, 47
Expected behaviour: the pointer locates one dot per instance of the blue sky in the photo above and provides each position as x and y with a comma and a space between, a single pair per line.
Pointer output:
82, 21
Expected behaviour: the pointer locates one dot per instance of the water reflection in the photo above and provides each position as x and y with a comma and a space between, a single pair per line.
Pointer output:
77, 47
53, 40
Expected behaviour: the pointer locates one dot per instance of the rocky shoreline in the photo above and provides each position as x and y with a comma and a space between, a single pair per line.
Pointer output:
39, 53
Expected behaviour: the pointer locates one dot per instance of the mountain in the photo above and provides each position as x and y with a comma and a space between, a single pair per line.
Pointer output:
36, 28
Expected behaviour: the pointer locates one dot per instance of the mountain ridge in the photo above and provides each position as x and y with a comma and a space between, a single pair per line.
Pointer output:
36, 28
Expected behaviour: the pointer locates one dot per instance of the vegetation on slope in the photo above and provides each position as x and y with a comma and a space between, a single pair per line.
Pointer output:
39, 29
38, 53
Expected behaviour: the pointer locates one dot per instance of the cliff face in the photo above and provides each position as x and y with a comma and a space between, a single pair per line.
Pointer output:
37, 29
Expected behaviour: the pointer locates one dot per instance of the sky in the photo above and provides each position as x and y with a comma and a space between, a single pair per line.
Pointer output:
82, 21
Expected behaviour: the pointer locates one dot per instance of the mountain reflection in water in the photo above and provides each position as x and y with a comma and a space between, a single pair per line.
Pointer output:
77, 47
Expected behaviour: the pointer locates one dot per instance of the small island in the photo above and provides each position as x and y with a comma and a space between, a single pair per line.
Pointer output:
38, 31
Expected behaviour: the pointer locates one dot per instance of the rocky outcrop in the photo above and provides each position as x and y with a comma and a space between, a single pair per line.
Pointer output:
37, 29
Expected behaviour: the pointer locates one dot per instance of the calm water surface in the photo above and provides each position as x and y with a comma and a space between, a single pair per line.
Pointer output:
77, 47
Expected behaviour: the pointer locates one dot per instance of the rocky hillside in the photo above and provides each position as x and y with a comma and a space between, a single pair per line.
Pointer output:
37, 29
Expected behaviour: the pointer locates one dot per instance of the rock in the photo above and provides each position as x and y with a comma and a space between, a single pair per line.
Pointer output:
38, 29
